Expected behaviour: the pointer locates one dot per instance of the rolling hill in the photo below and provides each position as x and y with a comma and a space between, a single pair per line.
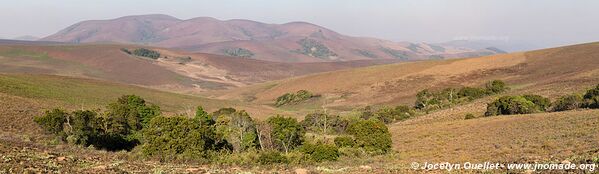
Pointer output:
174, 71
289, 42
549, 72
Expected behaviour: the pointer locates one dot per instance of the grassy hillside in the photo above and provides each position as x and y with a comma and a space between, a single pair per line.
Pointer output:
86, 93
548, 72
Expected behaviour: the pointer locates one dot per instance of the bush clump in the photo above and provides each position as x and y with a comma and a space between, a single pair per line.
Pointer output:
509, 105
372, 135
568, 102
429, 100
167, 137
286, 133
290, 98
272, 157
591, 97
543, 103
325, 123
238, 52
344, 141
52, 121
390, 115
320, 152
314, 48
143, 52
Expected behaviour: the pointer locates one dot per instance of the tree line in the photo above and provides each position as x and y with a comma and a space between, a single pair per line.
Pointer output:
132, 124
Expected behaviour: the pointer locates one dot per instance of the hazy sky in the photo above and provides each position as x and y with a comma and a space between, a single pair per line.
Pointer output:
541, 22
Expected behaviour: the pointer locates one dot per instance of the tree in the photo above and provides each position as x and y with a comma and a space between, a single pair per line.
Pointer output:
372, 135
568, 102
83, 127
52, 121
496, 87
168, 137
508, 105
287, 133
238, 129
143, 52
203, 117
591, 97
129, 114
325, 123
542, 102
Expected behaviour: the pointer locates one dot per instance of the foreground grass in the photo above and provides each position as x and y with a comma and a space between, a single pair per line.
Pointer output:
516, 138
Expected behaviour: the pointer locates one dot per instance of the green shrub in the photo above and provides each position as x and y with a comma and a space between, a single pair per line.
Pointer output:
203, 116
472, 93
320, 152
237, 129
542, 102
143, 52
52, 121
509, 105
238, 52
129, 114
271, 157
469, 116
286, 133
314, 48
496, 87
591, 97
325, 123
344, 141
372, 135
568, 102
84, 126
170, 137
352, 152
299, 96
390, 115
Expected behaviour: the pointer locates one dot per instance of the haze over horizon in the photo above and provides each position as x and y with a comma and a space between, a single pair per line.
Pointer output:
555, 23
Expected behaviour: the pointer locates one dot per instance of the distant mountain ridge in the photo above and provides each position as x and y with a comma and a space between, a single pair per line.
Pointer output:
289, 42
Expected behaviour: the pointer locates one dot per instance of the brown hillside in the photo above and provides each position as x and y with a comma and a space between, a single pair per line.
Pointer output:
548, 71
172, 71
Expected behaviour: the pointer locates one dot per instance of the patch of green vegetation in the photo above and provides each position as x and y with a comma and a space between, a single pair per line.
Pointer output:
437, 48
527, 104
314, 48
509, 105
238, 52
413, 47
91, 93
367, 53
398, 54
427, 100
372, 135
290, 98
143, 52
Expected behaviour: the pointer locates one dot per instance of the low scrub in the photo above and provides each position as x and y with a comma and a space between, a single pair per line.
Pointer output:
294, 98
320, 152
372, 135
430, 100
143, 52
509, 105
567, 102
238, 52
